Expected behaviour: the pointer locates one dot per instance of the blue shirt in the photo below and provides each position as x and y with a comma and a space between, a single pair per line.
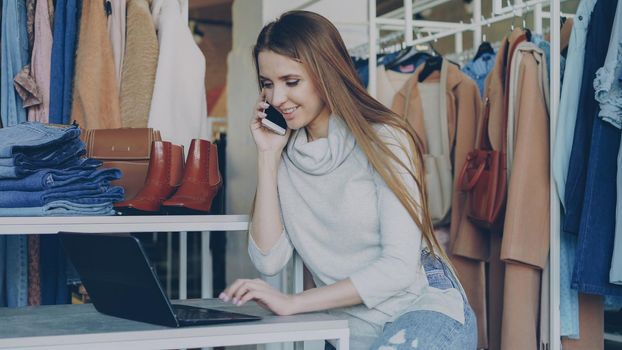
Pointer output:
479, 69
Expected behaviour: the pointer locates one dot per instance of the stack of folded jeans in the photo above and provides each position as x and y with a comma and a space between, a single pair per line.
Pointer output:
43, 173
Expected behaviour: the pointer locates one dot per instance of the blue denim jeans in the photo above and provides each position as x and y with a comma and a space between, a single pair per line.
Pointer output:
432, 330
14, 57
34, 137
48, 179
87, 193
62, 208
597, 42
50, 156
15, 172
597, 230
66, 19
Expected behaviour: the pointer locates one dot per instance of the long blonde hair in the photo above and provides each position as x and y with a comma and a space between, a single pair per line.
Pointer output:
309, 38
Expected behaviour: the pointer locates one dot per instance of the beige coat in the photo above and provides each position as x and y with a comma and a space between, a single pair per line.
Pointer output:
525, 243
95, 94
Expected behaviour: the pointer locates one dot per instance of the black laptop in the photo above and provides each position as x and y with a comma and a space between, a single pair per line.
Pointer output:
121, 282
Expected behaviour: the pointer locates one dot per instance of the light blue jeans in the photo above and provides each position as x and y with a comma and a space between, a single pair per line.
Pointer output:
431, 330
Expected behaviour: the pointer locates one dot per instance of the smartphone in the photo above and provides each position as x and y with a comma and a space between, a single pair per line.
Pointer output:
274, 121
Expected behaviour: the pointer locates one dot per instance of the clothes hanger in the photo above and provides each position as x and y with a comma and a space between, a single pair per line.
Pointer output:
432, 64
412, 55
483, 48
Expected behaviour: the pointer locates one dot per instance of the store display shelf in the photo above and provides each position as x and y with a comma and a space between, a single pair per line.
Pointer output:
101, 224
613, 337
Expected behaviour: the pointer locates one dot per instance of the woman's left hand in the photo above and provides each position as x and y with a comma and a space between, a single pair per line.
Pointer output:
244, 290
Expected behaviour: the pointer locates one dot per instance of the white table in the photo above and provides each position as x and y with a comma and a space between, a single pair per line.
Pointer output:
70, 327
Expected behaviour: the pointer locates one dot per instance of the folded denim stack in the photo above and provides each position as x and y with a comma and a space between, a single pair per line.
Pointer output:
43, 173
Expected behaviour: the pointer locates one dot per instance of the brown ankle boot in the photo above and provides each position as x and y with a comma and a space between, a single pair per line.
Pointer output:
201, 178
166, 168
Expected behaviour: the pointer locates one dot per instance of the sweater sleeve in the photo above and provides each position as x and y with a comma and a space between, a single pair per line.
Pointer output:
274, 260
395, 269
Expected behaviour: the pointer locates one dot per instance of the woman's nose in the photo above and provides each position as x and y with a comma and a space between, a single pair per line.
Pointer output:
279, 96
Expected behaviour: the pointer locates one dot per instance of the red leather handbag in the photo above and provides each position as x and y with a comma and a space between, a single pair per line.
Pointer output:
484, 179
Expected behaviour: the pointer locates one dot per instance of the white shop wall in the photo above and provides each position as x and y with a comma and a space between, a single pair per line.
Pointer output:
248, 19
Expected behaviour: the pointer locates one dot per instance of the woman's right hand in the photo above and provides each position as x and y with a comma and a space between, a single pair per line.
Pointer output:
266, 140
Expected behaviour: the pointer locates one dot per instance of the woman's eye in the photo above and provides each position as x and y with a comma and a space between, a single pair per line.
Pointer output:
292, 82
266, 85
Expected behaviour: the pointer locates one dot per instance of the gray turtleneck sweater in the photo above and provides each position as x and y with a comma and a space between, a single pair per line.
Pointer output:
345, 222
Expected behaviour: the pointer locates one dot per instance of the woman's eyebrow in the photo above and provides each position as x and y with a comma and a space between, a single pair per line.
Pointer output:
283, 77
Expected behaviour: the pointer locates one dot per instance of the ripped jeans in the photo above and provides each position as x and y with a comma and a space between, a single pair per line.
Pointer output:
430, 330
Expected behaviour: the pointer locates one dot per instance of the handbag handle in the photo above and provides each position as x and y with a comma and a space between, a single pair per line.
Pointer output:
474, 179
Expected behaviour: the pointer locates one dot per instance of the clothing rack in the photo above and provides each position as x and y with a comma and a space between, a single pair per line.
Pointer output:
445, 29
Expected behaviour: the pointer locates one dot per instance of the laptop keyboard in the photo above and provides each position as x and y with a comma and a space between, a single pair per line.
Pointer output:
191, 313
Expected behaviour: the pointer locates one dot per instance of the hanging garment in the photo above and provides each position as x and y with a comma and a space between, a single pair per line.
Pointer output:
26, 88
525, 241
571, 87
487, 245
51, 4
609, 97
468, 245
178, 106
597, 41
14, 56
479, 69
361, 65
116, 33
40, 63
30, 23
607, 87
615, 272
528, 154
388, 83
139, 65
34, 270
592, 324
95, 95
436, 149
66, 19
598, 150
570, 91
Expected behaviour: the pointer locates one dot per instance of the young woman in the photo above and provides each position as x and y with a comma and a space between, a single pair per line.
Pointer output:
344, 188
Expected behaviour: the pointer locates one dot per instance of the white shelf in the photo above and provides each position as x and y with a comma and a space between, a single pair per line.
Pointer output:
613, 337
102, 224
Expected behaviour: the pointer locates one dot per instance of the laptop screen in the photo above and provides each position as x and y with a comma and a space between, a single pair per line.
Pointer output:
118, 276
